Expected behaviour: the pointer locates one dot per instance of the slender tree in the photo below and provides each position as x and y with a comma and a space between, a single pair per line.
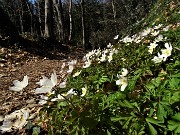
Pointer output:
70, 20
59, 21
83, 24
114, 14
48, 19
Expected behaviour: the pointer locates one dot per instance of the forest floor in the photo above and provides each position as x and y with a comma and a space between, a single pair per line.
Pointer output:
15, 64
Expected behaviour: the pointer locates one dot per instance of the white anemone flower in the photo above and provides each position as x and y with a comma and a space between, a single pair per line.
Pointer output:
6, 126
155, 33
18, 86
16, 120
43, 100
84, 90
71, 67
145, 32
76, 74
73, 62
22, 121
42, 81
158, 26
166, 52
63, 84
116, 37
109, 45
151, 47
63, 65
47, 84
166, 28
87, 64
127, 39
110, 57
106, 51
70, 93
103, 57
59, 98
124, 72
137, 39
114, 50
158, 59
159, 38
123, 82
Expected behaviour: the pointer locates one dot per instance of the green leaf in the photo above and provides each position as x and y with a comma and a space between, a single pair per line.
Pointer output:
36, 131
161, 113
128, 104
176, 117
132, 82
152, 130
155, 122
115, 119
174, 83
175, 97
174, 126
108, 133
126, 124
62, 104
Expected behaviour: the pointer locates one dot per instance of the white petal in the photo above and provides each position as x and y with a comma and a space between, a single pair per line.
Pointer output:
17, 83
42, 81
124, 86
70, 93
125, 72
118, 82
7, 125
62, 85
25, 81
42, 102
116, 37
54, 99
18, 86
14, 88
54, 78
84, 90
43, 89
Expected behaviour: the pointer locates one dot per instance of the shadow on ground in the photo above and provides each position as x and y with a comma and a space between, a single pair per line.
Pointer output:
42, 47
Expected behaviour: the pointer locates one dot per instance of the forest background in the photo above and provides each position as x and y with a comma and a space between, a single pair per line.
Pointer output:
88, 24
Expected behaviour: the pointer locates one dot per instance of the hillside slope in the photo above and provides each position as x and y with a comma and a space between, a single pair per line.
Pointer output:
131, 87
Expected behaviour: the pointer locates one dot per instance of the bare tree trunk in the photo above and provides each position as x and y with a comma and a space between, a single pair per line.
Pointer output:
83, 25
48, 19
39, 19
60, 25
31, 14
114, 14
21, 14
70, 20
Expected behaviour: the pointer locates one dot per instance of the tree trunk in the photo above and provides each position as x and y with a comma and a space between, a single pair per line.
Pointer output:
114, 15
70, 20
21, 14
39, 19
48, 19
59, 20
31, 15
83, 25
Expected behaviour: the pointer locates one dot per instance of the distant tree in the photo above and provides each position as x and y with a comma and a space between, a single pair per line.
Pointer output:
48, 19
70, 20
58, 16
83, 24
